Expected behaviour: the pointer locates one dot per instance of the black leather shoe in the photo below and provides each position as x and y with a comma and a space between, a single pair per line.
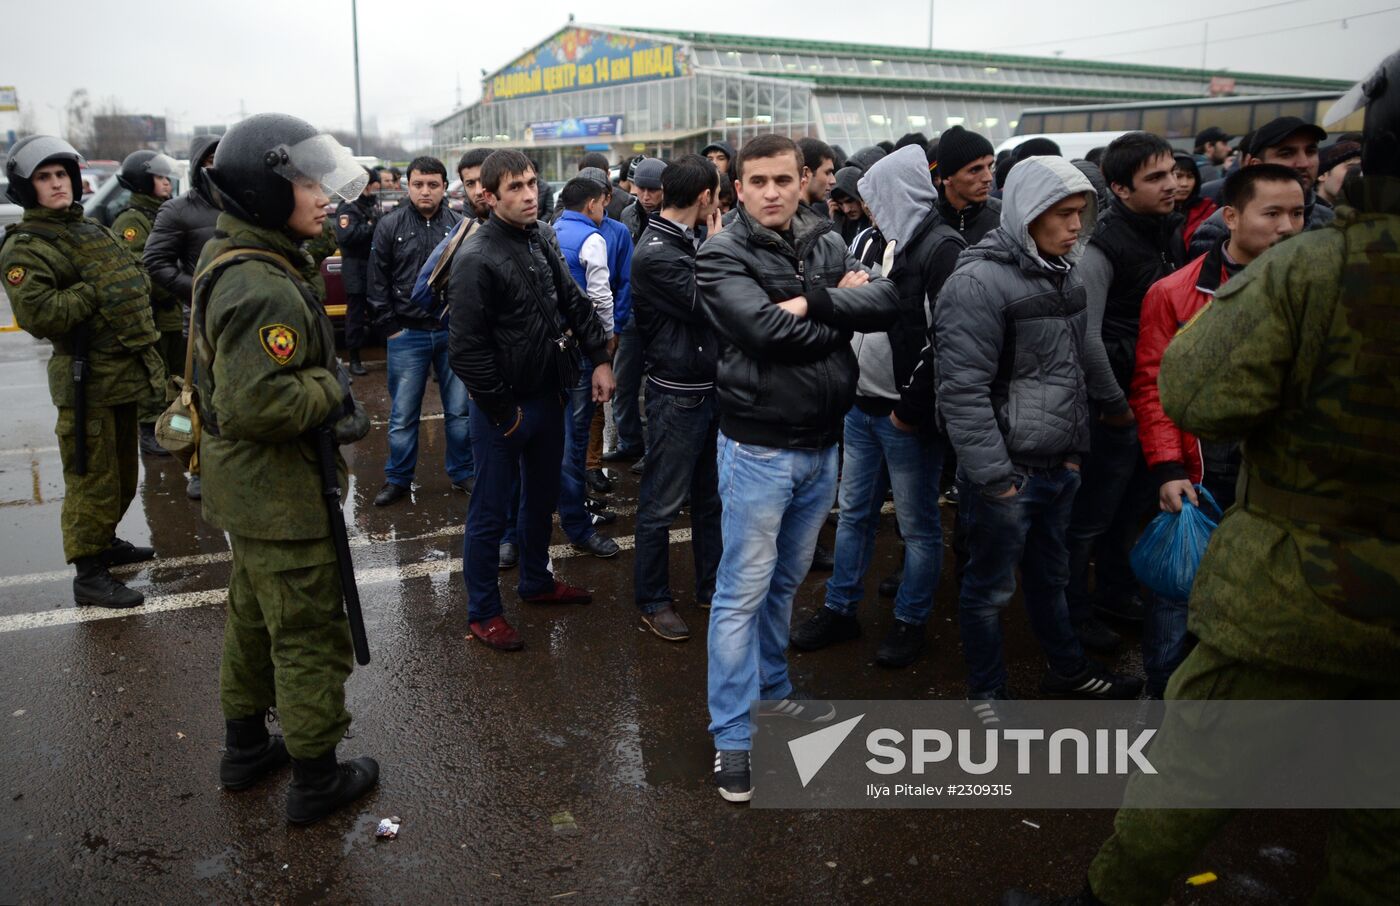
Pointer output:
621, 454
1095, 635
824, 627
901, 646
1127, 609
597, 546
389, 493
597, 482
666, 624
466, 485
357, 367
509, 556
122, 553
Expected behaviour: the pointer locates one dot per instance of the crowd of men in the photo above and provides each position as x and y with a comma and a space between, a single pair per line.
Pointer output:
1027, 340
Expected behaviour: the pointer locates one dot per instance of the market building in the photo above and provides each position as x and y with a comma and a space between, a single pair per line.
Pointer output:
633, 90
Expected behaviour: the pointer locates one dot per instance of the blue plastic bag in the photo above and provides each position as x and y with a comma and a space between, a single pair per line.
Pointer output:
1169, 552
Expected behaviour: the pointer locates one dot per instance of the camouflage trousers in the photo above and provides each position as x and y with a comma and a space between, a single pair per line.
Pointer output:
1151, 848
94, 503
171, 347
287, 641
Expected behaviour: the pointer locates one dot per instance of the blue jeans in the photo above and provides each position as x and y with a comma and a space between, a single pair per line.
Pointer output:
573, 517
1106, 517
529, 455
879, 455
1026, 530
410, 356
626, 409
682, 436
775, 503
1164, 641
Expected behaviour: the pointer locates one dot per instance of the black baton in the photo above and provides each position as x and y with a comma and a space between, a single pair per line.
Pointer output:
330, 489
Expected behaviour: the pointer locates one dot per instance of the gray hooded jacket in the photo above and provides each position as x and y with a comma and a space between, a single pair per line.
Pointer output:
1009, 325
898, 191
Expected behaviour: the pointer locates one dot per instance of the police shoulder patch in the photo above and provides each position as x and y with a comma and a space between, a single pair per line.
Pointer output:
129, 234
344, 221
279, 341
14, 276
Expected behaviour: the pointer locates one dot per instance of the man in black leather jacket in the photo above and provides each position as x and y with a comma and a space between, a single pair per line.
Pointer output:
512, 299
416, 342
785, 298
354, 234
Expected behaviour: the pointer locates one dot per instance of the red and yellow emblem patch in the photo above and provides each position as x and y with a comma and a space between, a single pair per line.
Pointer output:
279, 341
14, 276
129, 234
344, 221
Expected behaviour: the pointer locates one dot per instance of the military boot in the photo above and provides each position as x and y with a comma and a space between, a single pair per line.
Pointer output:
250, 752
322, 785
357, 367
95, 586
124, 553
149, 444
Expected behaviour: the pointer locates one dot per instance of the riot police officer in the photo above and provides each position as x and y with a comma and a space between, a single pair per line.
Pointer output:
270, 380
1298, 596
354, 230
147, 175
70, 281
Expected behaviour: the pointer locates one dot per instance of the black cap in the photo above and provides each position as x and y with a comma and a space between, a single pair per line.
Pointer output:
1275, 131
1211, 134
958, 147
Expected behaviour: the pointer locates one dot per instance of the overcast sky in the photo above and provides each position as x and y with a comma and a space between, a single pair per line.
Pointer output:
204, 63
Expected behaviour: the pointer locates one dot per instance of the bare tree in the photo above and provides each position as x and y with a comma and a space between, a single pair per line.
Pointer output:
116, 133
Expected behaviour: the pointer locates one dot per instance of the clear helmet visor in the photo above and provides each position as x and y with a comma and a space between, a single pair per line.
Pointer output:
30, 157
1358, 96
163, 165
324, 161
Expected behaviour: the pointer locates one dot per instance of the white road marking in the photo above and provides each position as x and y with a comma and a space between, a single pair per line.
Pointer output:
224, 556
378, 575
28, 451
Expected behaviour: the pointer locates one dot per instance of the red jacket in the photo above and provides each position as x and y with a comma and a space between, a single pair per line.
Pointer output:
1172, 454
1195, 216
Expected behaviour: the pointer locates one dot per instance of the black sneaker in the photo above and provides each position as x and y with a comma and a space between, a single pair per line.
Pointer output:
1095, 635
823, 628
1094, 681
985, 707
901, 646
799, 707
732, 775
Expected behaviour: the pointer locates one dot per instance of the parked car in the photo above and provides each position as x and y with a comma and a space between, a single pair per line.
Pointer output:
9, 212
111, 197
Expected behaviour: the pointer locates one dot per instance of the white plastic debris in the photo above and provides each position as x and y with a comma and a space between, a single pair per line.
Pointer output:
388, 828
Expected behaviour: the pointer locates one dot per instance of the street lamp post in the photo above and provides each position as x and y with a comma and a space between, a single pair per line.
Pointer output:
355, 37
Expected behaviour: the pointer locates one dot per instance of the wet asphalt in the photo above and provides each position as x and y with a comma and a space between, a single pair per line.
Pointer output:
574, 771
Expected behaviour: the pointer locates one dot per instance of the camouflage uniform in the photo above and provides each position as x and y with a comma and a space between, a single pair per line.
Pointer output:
64, 273
1299, 593
268, 351
133, 226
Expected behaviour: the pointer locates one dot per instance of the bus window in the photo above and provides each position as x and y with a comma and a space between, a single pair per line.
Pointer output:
1030, 124
1232, 118
1352, 123
1115, 121
1264, 111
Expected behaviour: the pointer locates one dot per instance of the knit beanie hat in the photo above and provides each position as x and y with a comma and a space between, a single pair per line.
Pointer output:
958, 147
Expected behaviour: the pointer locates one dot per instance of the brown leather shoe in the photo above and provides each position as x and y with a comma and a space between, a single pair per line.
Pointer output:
667, 624
496, 633
562, 594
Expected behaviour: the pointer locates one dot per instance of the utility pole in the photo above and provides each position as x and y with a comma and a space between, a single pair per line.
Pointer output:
355, 37
930, 24
1205, 42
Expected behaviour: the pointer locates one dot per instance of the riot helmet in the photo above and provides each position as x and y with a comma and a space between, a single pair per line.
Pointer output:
139, 169
259, 158
1379, 93
29, 154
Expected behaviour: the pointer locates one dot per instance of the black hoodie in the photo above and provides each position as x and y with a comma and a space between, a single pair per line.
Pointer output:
182, 227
